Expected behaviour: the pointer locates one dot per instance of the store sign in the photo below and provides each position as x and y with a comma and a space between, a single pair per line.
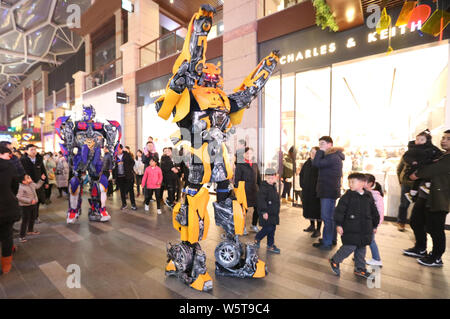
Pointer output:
122, 98
157, 93
349, 43
315, 48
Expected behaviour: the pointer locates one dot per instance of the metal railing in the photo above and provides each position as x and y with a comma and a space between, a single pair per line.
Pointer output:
104, 74
171, 43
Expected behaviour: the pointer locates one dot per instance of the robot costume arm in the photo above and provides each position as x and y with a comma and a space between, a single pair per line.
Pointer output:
111, 131
66, 132
248, 90
189, 65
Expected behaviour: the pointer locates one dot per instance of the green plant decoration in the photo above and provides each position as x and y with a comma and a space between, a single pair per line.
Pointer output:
324, 18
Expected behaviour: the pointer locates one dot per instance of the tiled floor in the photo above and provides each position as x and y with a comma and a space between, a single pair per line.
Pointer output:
125, 258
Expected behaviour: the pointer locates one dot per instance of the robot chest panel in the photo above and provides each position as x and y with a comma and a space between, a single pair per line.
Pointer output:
90, 138
211, 98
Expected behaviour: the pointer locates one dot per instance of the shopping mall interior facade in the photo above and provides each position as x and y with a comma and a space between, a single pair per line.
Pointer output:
342, 84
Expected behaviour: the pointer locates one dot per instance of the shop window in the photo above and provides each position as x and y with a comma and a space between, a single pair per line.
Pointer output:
268, 7
271, 127
380, 104
104, 53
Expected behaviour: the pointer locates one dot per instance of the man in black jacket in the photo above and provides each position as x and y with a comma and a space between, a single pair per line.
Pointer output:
248, 172
34, 166
357, 219
9, 207
15, 161
107, 169
124, 176
268, 203
329, 162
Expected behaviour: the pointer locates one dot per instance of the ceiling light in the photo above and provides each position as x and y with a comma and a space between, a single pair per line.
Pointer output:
350, 14
171, 1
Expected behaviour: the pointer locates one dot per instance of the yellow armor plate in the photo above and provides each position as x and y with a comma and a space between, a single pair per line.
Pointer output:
241, 196
197, 209
211, 98
199, 283
238, 218
260, 269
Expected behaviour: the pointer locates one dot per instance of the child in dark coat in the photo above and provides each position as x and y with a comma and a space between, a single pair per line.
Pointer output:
268, 205
356, 218
420, 152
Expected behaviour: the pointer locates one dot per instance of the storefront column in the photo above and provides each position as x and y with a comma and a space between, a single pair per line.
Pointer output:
143, 23
33, 99
130, 53
24, 99
240, 57
119, 38
79, 84
88, 53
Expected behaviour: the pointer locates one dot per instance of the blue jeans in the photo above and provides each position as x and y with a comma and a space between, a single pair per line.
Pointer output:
404, 204
269, 231
374, 249
327, 206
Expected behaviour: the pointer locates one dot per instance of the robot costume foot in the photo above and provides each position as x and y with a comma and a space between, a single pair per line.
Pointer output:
72, 216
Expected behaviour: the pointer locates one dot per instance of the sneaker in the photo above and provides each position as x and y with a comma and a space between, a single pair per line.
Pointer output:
415, 252
335, 267
123, 207
409, 197
374, 262
273, 249
430, 261
425, 189
254, 229
323, 247
168, 204
362, 273
401, 227
245, 232
133, 208
23, 240
316, 234
33, 233
159, 212
310, 229
146, 208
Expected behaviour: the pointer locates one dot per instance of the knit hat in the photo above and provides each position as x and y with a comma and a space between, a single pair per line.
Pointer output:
425, 133
270, 171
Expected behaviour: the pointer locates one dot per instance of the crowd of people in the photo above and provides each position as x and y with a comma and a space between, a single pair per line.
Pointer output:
424, 175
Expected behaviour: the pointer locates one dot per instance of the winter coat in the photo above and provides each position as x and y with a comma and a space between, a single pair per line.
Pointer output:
139, 167
252, 178
27, 193
288, 167
309, 175
128, 164
146, 158
169, 177
330, 165
9, 207
268, 201
35, 171
152, 178
402, 173
358, 216
379, 203
439, 174
62, 173
50, 167
107, 162
422, 154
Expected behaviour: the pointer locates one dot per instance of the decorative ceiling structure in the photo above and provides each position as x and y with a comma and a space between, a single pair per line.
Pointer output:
34, 32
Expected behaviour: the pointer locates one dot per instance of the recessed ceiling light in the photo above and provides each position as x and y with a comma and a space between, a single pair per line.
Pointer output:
350, 14
171, 1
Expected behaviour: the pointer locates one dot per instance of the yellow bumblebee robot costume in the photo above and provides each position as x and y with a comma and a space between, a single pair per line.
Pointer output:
205, 115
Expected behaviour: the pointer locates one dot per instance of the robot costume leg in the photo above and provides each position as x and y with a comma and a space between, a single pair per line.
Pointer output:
186, 260
233, 258
75, 194
97, 210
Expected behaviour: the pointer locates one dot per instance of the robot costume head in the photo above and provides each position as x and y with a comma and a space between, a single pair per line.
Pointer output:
211, 75
88, 113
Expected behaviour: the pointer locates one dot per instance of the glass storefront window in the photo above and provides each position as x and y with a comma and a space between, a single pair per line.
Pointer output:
268, 7
104, 53
377, 105
271, 127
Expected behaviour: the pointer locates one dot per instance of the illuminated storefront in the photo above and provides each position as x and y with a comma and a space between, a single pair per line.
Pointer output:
345, 85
